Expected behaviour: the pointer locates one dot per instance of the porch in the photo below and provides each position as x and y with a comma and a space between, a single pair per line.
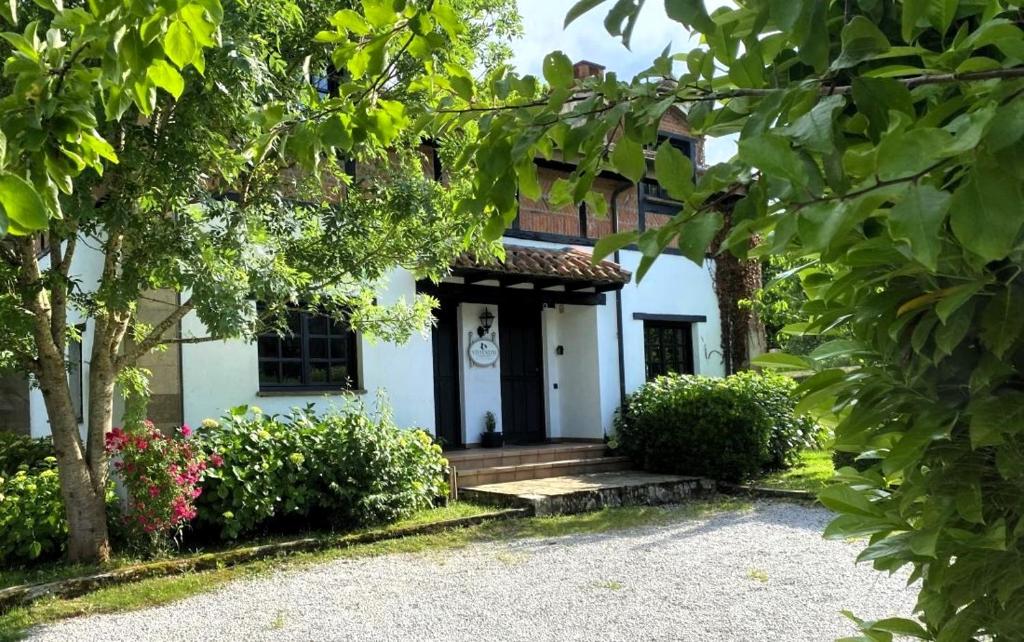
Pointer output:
531, 342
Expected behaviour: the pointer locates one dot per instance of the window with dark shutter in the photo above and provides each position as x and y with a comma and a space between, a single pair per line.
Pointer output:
315, 352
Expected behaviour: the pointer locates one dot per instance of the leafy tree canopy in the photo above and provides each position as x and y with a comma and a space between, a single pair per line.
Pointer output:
202, 148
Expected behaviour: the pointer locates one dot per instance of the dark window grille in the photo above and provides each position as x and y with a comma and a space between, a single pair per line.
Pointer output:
315, 352
668, 348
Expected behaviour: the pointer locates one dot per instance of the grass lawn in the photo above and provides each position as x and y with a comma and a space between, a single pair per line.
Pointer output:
162, 590
58, 570
811, 473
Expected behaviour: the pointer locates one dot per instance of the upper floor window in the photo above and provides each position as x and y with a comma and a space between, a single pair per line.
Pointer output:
316, 352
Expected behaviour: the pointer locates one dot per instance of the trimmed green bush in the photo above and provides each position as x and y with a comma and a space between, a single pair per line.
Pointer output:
343, 469
729, 428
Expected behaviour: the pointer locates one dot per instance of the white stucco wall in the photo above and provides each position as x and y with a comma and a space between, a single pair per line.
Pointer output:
219, 375
673, 285
86, 268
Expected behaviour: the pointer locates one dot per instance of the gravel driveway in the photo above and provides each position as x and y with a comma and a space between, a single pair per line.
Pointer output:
764, 574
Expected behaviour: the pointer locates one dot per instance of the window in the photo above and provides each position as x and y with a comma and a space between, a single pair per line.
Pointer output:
315, 353
75, 372
668, 347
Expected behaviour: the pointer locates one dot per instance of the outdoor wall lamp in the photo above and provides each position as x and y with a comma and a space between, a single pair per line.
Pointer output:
486, 319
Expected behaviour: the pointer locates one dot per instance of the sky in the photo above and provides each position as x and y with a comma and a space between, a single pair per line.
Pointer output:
586, 39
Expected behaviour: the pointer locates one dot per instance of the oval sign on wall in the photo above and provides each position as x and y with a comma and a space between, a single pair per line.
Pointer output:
483, 352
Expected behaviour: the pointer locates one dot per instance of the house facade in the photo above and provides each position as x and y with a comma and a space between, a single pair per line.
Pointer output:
547, 341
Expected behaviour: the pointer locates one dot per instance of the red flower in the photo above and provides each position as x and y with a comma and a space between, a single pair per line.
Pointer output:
216, 460
186, 431
153, 491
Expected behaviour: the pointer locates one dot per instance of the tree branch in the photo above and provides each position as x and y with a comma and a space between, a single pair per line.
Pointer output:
155, 336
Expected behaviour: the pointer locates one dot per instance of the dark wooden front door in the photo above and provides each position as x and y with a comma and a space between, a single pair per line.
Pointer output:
522, 373
447, 406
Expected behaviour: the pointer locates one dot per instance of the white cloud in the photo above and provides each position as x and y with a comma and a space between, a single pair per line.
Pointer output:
586, 39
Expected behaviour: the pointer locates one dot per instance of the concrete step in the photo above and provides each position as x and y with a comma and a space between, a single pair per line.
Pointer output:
516, 455
592, 491
467, 477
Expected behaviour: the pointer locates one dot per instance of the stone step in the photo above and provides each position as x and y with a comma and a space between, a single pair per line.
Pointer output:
466, 477
517, 455
592, 491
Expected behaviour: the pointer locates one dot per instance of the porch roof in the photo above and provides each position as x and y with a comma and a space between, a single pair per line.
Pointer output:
544, 268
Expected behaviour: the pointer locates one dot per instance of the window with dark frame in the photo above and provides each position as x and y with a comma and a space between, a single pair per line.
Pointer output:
668, 348
316, 352
75, 362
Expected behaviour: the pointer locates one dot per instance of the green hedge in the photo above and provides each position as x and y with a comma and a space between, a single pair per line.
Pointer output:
343, 469
729, 428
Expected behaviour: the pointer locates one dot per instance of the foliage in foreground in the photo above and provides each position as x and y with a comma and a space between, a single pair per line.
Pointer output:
346, 469
881, 141
32, 523
730, 429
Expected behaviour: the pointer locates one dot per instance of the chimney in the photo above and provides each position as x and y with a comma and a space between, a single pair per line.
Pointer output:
586, 69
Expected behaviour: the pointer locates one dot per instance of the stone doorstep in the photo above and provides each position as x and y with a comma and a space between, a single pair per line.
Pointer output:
587, 492
520, 472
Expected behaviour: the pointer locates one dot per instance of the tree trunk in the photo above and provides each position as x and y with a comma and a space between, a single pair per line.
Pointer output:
83, 492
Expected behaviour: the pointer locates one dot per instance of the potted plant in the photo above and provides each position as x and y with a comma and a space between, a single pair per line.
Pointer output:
491, 438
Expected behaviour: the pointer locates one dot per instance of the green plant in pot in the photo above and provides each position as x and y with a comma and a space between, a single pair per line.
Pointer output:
491, 437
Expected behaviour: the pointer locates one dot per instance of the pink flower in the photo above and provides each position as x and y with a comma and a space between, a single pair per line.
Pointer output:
216, 460
186, 431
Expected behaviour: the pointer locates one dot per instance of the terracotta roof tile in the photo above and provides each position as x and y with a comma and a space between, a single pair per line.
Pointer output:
569, 264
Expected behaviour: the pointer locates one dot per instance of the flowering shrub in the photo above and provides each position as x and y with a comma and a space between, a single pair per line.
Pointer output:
344, 469
161, 475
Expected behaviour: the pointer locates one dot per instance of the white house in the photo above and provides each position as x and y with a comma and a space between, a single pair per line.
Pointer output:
547, 341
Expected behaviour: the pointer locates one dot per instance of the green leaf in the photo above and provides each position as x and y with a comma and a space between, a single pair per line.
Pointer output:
22, 204
1002, 320
862, 40
918, 219
844, 499
991, 416
847, 526
558, 70
913, 12
690, 13
611, 242
902, 626
697, 233
579, 9
628, 159
986, 212
179, 44
909, 152
781, 361
674, 171
773, 155
166, 77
